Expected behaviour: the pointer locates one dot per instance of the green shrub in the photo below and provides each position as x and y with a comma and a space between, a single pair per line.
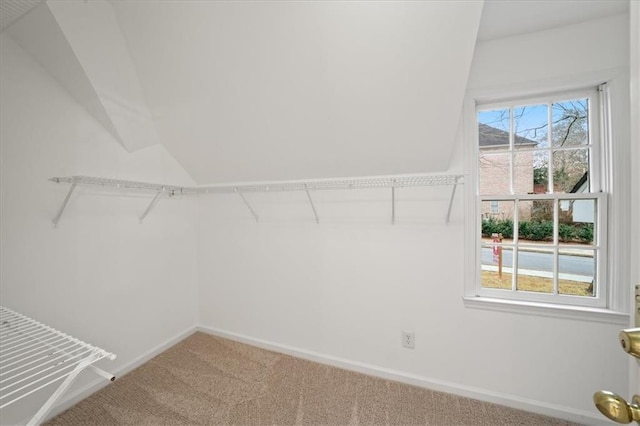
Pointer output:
537, 230
505, 227
492, 226
585, 232
489, 226
524, 229
566, 232
540, 231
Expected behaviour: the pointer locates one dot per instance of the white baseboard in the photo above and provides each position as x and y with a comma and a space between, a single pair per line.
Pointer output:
530, 405
538, 407
98, 384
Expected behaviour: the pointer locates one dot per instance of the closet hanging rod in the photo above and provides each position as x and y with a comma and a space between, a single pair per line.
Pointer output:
308, 185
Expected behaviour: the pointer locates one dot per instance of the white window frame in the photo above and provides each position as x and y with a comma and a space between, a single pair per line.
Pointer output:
612, 304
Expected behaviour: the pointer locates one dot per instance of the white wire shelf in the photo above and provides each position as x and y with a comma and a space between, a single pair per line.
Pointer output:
391, 182
34, 356
118, 184
332, 184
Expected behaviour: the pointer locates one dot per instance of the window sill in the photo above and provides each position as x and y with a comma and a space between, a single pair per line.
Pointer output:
548, 310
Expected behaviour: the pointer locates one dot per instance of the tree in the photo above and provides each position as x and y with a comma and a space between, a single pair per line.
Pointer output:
569, 136
570, 132
541, 175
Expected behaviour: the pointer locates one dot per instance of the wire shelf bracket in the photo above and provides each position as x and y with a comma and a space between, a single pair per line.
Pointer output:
313, 206
64, 205
453, 194
151, 205
246, 203
34, 356
392, 182
393, 205
159, 190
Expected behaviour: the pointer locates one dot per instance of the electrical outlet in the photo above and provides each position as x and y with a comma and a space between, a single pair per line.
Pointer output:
408, 339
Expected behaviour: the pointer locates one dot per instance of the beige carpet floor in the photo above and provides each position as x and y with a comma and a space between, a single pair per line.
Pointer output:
207, 380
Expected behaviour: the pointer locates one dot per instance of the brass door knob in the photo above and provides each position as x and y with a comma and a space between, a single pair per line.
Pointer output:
616, 408
630, 341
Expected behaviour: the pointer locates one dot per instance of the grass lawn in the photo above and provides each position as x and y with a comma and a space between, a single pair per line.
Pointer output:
538, 284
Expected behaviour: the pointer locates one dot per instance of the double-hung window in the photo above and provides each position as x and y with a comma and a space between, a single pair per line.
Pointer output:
541, 199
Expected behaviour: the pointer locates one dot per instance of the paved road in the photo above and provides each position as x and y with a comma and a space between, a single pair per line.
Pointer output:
568, 264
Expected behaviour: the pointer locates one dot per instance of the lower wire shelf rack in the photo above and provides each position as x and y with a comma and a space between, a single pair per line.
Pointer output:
34, 356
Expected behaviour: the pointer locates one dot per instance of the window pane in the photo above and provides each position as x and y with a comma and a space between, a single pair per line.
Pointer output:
536, 220
493, 128
541, 172
570, 125
497, 229
571, 171
494, 173
535, 269
531, 126
525, 210
497, 266
497, 223
576, 221
576, 272
523, 172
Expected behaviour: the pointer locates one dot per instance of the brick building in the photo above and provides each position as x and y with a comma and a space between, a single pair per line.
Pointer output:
494, 171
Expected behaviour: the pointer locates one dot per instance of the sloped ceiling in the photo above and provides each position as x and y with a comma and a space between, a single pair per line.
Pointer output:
285, 90
12, 10
261, 90
52, 50
80, 44
249, 91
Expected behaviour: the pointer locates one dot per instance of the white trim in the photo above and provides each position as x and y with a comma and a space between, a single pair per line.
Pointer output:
583, 91
618, 156
534, 406
555, 196
473, 209
569, 83
634, 173
95, 385
554, 310
612, 275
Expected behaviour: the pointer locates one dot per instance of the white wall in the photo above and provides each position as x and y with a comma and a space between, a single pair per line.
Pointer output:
100, 276
343, 291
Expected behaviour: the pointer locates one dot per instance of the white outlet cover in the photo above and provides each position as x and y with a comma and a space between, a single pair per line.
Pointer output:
408, 339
